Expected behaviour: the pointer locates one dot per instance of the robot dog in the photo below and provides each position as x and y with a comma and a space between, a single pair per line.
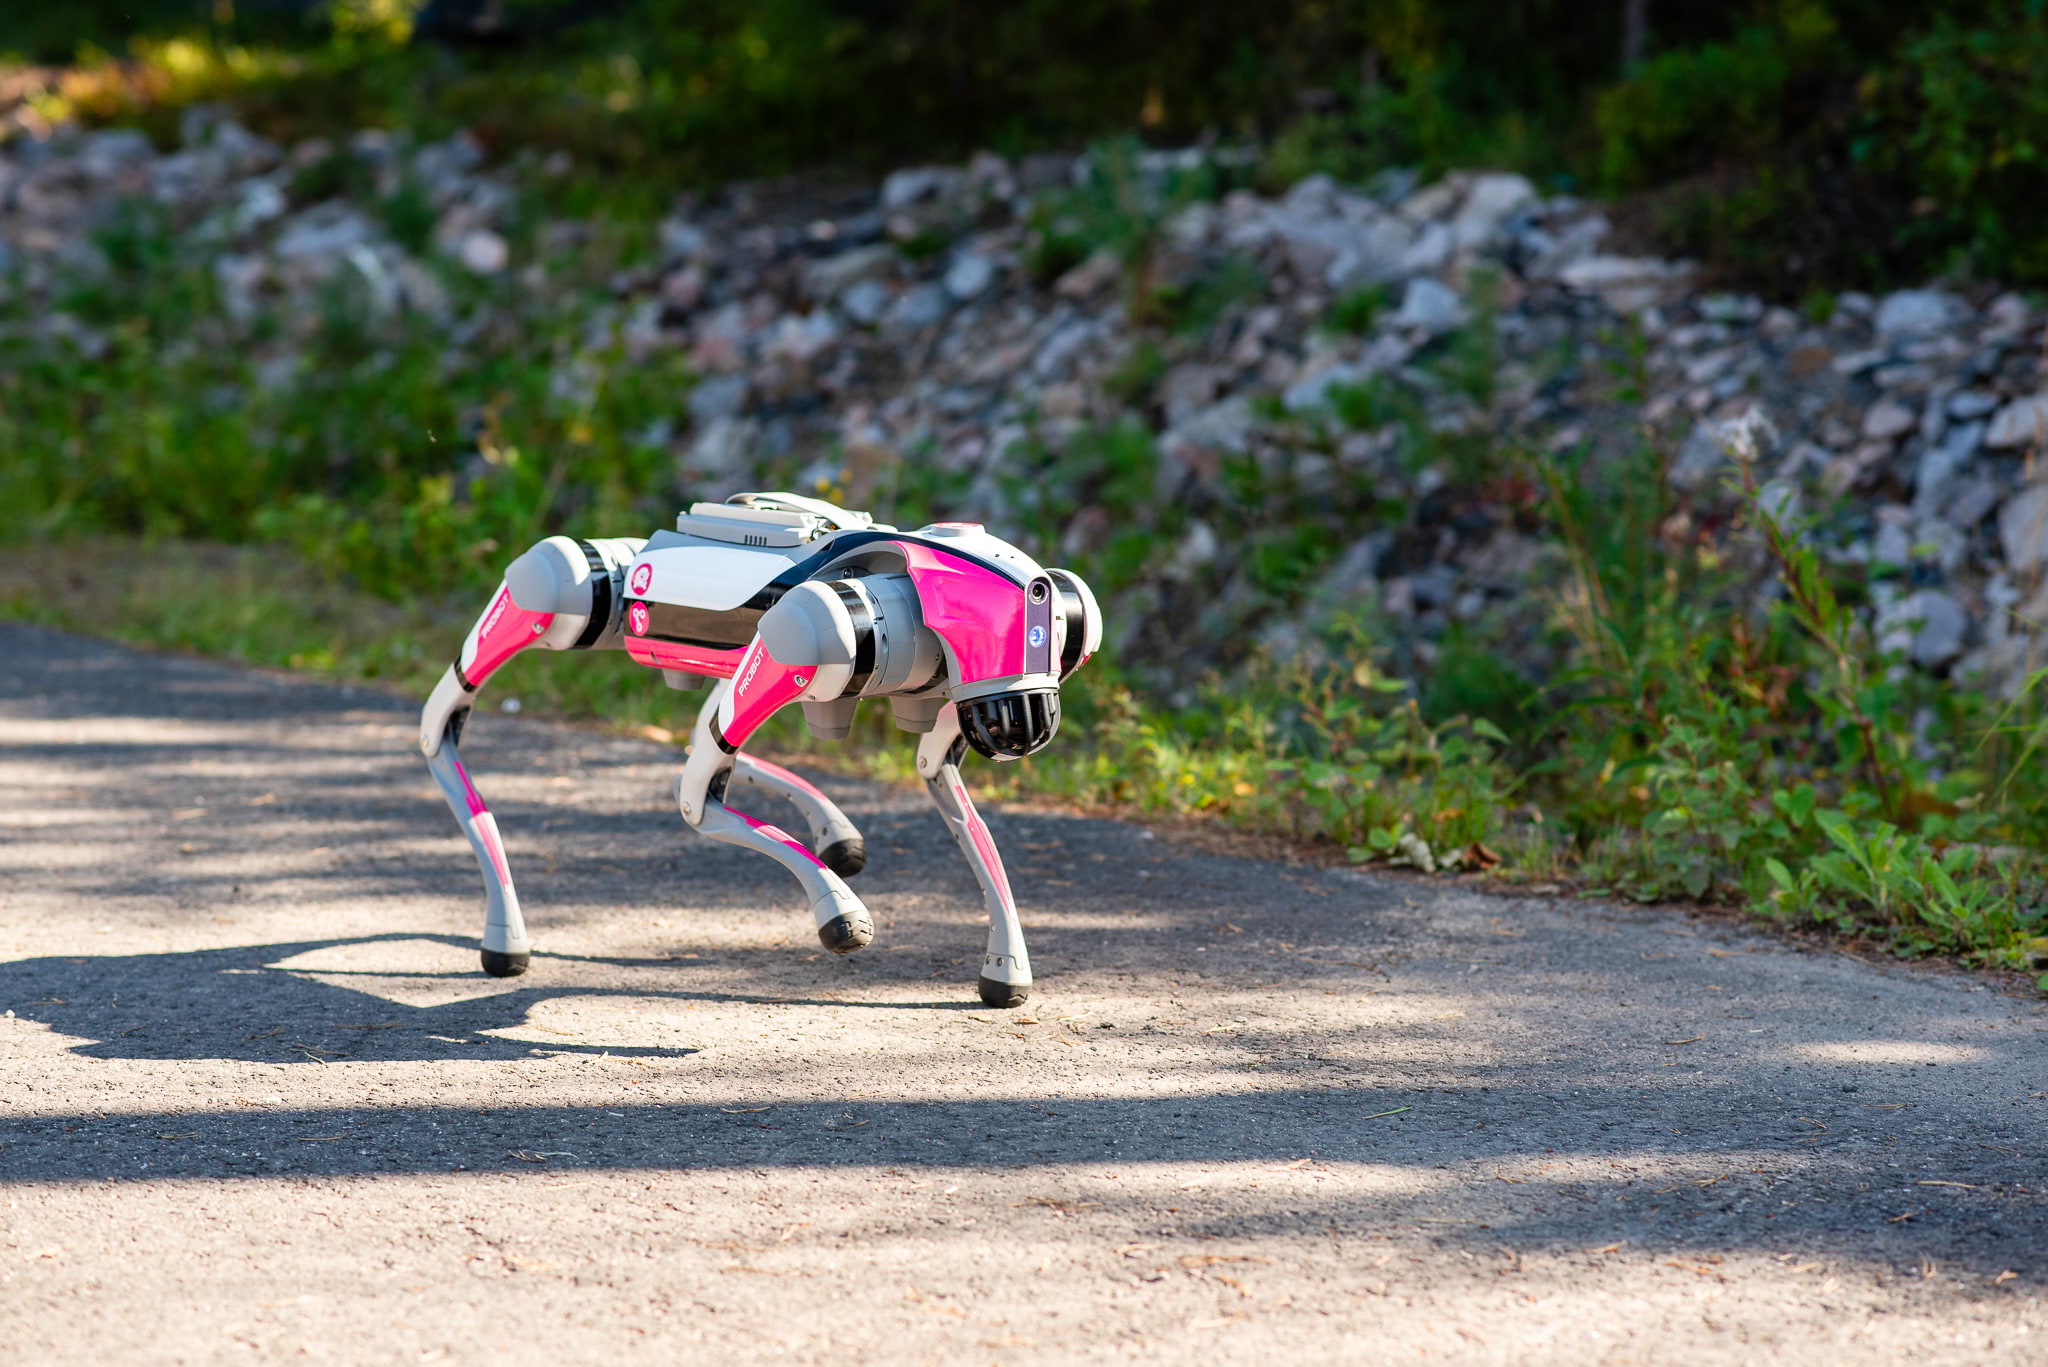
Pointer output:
783, 599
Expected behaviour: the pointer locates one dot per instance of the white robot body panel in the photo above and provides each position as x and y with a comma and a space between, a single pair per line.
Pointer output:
781, 600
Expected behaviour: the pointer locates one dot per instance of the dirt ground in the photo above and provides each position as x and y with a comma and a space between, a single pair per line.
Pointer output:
256, 1102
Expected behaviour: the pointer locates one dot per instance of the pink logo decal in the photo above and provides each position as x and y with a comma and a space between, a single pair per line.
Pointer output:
636, 619
643, 577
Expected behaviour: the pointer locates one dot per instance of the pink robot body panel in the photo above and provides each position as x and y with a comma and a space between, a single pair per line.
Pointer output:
978, 613
506, 629
710, 660
762, 687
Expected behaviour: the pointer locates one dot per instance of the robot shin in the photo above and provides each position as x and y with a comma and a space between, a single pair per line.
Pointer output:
779, 600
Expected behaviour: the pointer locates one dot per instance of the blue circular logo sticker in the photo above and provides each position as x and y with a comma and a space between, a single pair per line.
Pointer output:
1037, 637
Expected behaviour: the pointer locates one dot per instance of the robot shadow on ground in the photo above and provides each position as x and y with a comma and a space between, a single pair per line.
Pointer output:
245, 1004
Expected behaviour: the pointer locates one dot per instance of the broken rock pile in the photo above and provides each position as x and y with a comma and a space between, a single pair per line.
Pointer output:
1246, 415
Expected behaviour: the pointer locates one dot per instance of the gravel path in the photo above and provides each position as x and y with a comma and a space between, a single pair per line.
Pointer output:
256, 1103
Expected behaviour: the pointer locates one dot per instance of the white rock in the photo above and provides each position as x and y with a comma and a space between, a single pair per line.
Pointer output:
1430, 202
2020, 423
682, 240
908, 186
865, 301
969, 275
482, 252
1572, 245
1430, 252
1940, 463
1911, 314
802, 338
826, 277
1375, 254
1197, 549
1225, 426
1888, 420
1628, 284
2023, 529
1430, 305
916, 309
317, 237
1312, 392
1489, 203
1928, 624
724, 450
1966, 405
261, 202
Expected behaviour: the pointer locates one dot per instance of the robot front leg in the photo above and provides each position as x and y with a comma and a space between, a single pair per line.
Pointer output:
842, 919
1006, 964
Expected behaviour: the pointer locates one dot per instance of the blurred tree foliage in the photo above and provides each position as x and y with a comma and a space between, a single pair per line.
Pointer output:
1799, 142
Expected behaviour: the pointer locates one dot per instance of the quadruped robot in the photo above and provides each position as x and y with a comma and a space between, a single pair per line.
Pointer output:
775, 599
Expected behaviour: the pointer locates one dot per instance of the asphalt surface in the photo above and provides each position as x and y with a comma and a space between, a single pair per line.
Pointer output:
257, 1104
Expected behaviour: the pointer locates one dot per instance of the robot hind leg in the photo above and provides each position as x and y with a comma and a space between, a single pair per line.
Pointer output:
834, 839
842, 919
558, 595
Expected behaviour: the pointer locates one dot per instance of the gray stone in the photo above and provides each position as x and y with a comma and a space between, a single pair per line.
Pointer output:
1430, 305
828, 276
1711, 443
1196, 551
1056, 357
1628, 284
317, 237
917, 308
682, 240
716, 397
2023, 422
916, 183
724, 450
1928, 625
1488, 204
1967, 405
1187, 389
1312, 392
865, 301
1376, 254
1888, 420
969, 275
1941, 462
1912, 314
1225, 427
482, 252
2023, 529
1973, 501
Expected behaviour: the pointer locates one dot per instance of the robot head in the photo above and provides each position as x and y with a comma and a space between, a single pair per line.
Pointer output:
1010, 632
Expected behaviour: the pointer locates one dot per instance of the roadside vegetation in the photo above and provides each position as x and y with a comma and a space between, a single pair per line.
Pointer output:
1720, 725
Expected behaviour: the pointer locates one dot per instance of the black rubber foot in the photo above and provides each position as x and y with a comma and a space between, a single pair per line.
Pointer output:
845, 934
505, 965
845, 857
1004, 994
